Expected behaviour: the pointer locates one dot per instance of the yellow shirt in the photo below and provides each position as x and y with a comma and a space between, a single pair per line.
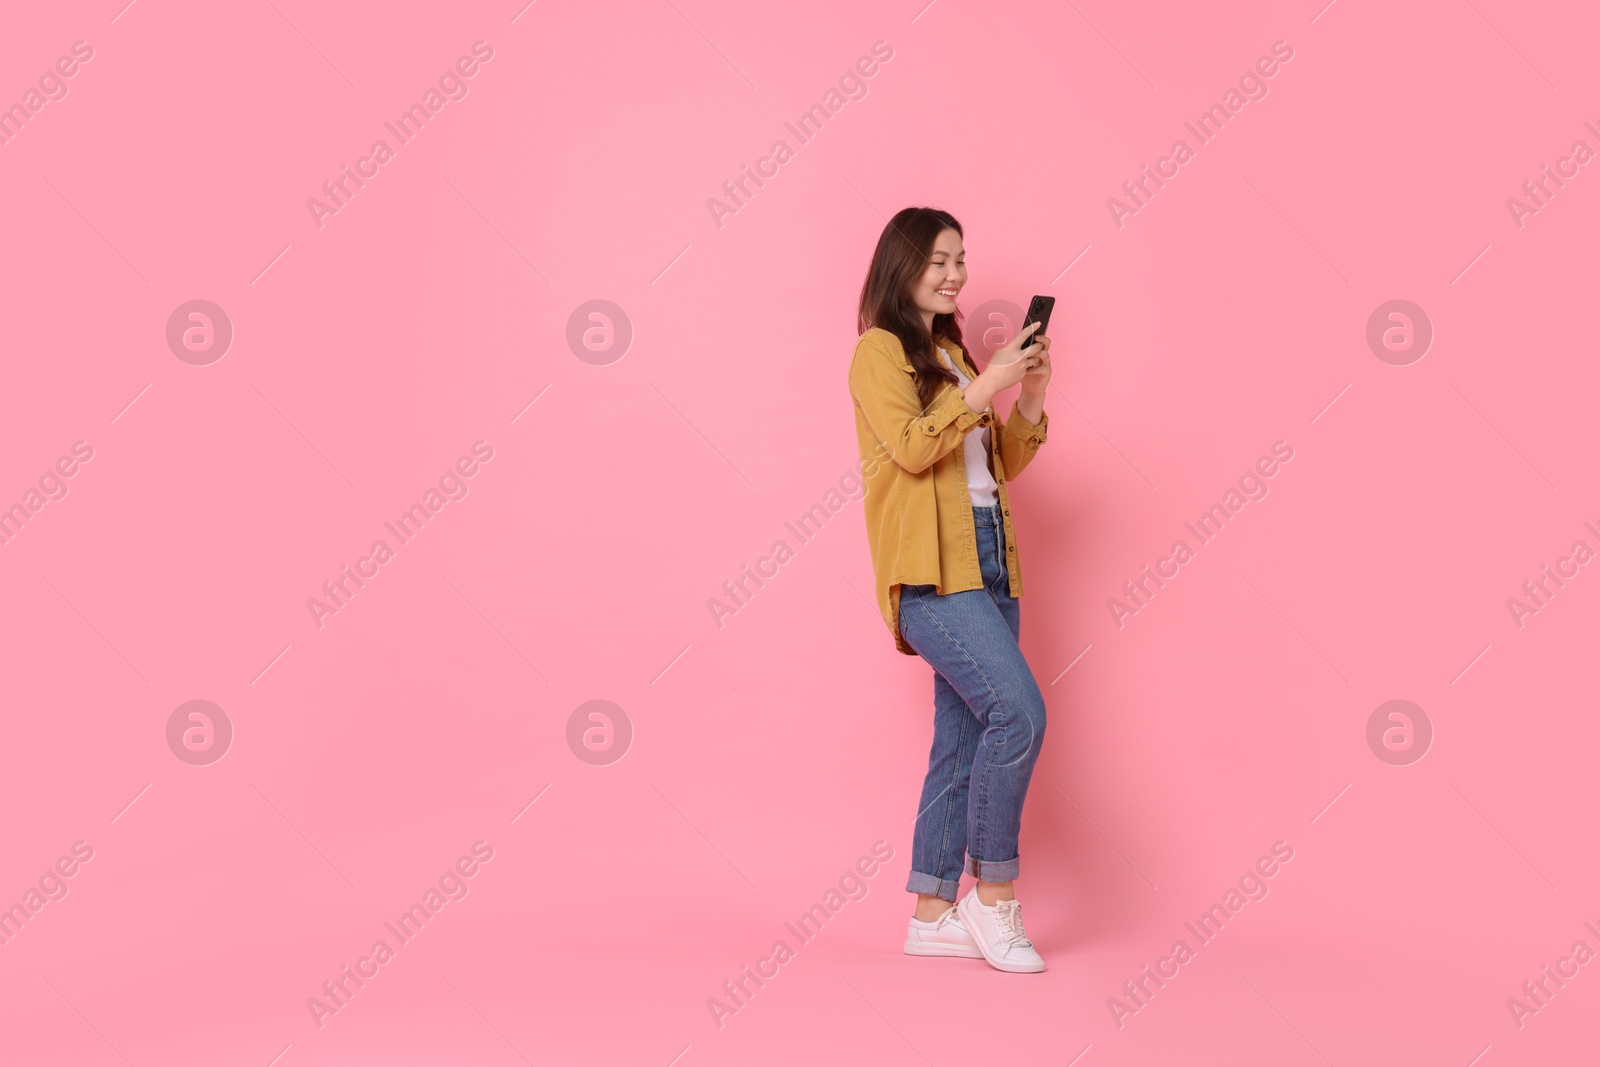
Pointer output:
919, 513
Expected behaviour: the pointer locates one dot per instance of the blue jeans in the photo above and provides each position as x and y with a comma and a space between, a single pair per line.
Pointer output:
987, 728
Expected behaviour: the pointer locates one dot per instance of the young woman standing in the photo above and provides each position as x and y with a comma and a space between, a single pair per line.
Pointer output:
948, 575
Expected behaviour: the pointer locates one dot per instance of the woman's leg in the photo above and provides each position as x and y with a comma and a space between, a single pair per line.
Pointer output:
970, 638
939, 838
991, 890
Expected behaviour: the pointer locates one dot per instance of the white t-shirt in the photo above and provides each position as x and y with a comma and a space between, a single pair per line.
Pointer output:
981, 485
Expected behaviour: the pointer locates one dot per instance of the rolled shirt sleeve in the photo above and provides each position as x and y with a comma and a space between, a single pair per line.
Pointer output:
1020, 440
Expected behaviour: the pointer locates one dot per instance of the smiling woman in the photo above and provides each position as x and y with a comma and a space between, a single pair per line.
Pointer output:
948, 574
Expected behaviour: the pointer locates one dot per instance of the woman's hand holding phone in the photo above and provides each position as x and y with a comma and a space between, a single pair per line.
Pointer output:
1024, 360
1022, 354
1037, 378
1014, 363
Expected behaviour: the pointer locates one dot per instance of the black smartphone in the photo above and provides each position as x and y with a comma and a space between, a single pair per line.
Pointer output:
1039, 309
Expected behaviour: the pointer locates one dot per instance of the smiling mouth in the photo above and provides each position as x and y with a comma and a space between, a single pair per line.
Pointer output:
949, 294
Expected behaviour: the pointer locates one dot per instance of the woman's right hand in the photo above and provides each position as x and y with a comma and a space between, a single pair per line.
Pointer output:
1008, 364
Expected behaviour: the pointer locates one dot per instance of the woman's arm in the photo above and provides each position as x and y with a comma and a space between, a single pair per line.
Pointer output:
1028, 426
1021, 437
981, 391
1031, 405
887, 394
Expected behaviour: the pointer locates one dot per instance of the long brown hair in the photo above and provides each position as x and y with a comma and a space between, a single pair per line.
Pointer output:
904, 249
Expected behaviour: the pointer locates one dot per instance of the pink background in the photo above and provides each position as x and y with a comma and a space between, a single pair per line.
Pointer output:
770, 753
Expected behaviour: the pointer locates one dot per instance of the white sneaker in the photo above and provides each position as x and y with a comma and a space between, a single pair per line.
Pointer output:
997, 929
945, 936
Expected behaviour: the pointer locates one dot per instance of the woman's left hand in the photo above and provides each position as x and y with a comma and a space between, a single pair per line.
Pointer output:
1037, 377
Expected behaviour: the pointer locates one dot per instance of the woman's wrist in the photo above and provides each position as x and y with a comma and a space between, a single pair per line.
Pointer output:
979, 393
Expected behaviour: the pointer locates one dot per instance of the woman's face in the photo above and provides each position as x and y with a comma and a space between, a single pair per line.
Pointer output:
936, 291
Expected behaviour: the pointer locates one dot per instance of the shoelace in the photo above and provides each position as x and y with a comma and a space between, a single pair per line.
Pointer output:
1008, 916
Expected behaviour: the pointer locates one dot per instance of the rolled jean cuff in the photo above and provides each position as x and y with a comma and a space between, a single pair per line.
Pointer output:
994, 870
944, 888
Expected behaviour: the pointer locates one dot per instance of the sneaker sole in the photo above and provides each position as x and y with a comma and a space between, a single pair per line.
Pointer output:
1002, 965
920, 948
1014, 968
